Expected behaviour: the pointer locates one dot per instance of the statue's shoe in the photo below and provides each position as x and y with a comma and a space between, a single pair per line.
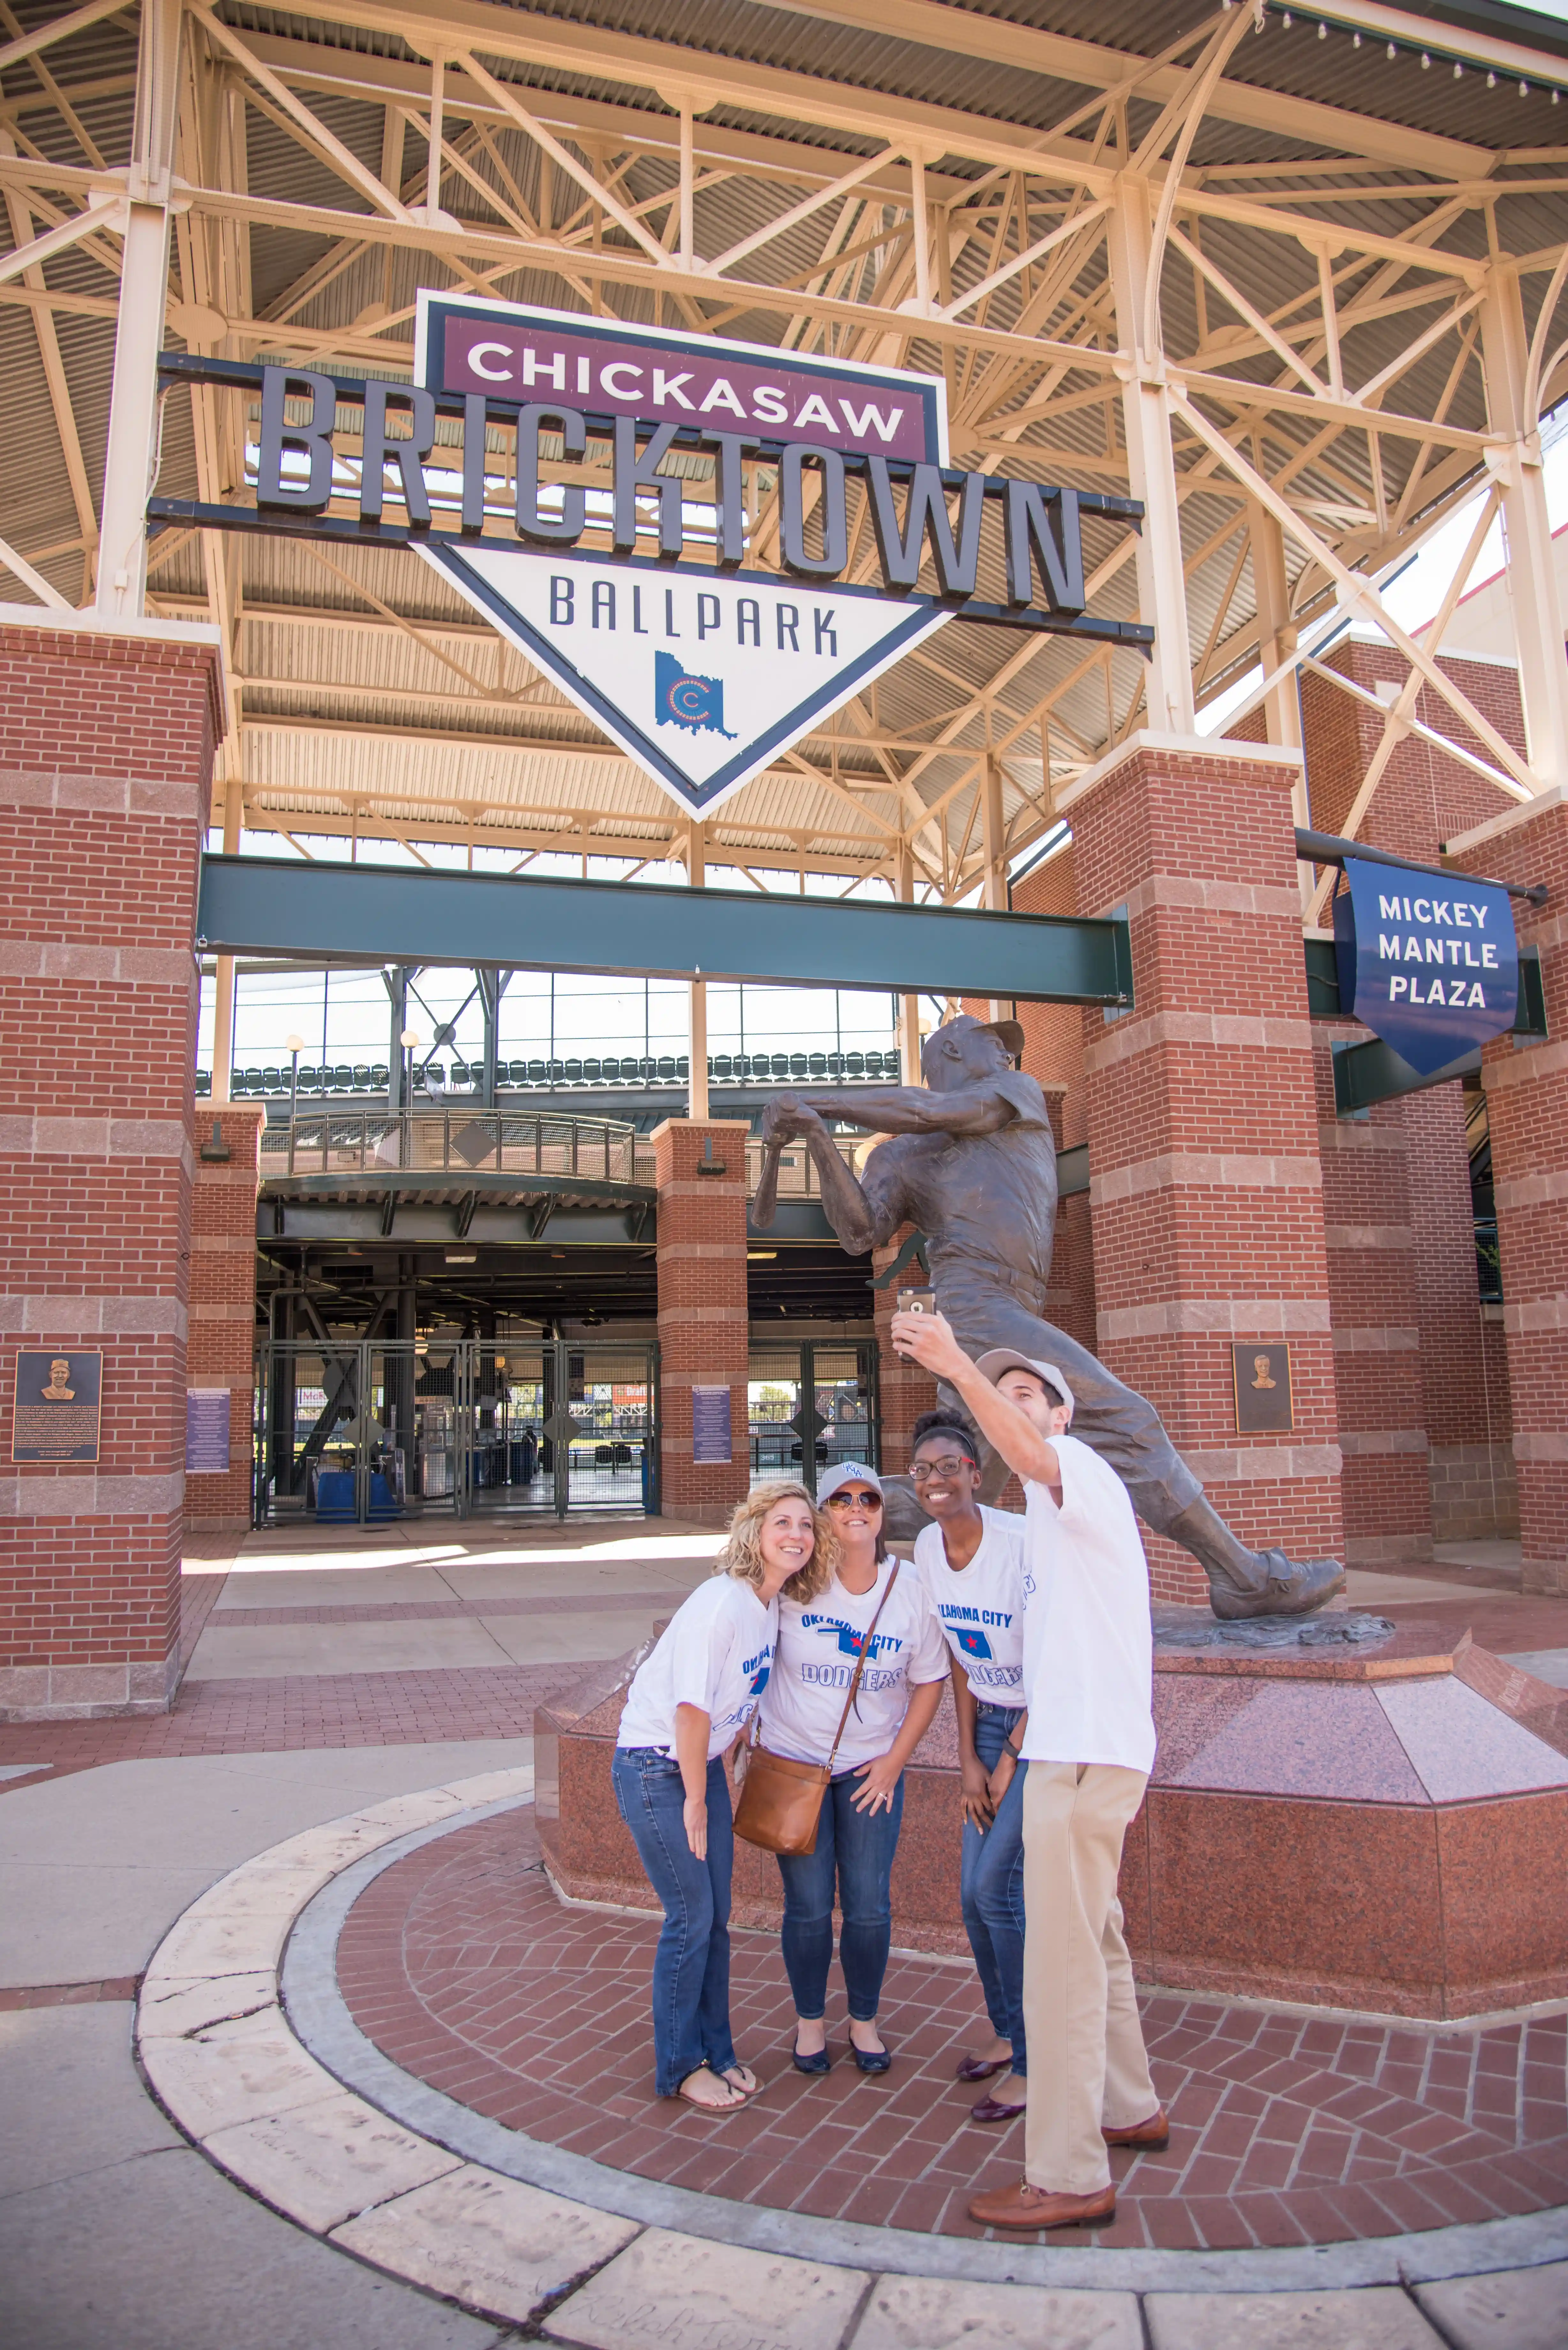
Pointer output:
1294, 1587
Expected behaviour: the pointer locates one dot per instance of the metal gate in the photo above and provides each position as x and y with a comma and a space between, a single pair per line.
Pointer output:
364, 1431
810, 1406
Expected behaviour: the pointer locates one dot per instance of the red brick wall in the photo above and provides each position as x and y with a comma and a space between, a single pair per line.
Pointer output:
220, 1349
1207, 1188
1527, 1106
1371, 1243
703, 1331
106, 750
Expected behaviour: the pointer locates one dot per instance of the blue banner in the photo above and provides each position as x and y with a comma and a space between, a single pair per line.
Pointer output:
1429, 961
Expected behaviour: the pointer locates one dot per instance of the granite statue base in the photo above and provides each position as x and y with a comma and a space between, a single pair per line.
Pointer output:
1351, 1818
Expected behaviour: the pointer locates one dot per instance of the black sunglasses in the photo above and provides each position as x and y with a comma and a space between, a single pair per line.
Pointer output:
846, 1500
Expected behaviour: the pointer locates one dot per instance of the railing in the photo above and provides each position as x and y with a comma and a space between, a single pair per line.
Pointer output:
798, 1178
455, 1142
668, 1069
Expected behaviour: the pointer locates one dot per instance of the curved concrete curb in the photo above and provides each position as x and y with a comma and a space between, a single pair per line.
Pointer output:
255, 2056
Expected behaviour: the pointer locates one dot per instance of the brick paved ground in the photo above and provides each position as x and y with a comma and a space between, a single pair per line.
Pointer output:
271, 1717
461, 1964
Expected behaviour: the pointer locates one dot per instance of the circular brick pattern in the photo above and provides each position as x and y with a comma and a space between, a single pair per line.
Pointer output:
461, 1966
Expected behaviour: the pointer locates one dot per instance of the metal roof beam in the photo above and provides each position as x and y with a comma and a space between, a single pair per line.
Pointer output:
255, 906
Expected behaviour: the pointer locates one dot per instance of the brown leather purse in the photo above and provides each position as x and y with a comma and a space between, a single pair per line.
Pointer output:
781, 1800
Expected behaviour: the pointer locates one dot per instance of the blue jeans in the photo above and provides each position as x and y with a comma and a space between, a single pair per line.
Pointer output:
990, 1890
692, 1964
856, 1849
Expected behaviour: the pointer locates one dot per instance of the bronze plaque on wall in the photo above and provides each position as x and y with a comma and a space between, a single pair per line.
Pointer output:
1262, 1370
56, 1414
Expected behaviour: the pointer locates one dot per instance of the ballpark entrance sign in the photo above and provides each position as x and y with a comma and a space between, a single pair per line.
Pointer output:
1429, 961
709, 546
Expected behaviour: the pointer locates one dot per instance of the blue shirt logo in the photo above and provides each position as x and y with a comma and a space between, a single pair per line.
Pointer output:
759, 1680
972, 1643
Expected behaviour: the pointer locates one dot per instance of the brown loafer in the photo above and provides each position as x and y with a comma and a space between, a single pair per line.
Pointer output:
1149, 2136
1042, 2206
981, 2068
992, 2109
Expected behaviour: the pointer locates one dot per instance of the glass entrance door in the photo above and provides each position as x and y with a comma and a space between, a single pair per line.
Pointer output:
360, 1431
811, 1405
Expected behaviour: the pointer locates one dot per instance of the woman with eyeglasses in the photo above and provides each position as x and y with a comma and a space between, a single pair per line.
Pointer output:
971, 1561
876, 1609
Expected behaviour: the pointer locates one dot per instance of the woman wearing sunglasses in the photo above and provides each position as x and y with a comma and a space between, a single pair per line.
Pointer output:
971, 1561
871, 1608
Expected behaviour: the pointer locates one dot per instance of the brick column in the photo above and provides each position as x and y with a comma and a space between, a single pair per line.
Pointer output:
703, 1323
1369, 1232
1206, 1198
106, 748
1527, 1109
903, 1391
220, 1349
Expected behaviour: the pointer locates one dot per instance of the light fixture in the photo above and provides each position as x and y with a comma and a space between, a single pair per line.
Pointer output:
1426, 62
761, 1256
1392, 51
1458, 73
462, 1256
292, 1043
409, 1040
1323, 32
1492, 81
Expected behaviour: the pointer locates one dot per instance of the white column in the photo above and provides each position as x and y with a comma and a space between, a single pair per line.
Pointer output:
1277, 634
1161, 588
993, 832
223, 994
1531, 574
138, 330
697, 1091
909, 1005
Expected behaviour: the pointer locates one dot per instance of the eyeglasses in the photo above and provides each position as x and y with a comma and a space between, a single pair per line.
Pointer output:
854, 1500
922, 1469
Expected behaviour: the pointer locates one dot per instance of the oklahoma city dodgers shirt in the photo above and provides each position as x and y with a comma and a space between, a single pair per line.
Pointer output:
819, 1644
981, 1607
715, 1652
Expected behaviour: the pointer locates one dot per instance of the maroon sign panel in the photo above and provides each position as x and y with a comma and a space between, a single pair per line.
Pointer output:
516, 354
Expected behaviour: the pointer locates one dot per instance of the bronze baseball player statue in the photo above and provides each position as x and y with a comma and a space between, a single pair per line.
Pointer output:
972, 1164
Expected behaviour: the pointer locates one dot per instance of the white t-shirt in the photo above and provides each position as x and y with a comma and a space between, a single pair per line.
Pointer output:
981, 1607
715, 1652
819, 1644
1088, 1645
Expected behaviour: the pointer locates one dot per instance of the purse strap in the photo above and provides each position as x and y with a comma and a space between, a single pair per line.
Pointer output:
860, 1663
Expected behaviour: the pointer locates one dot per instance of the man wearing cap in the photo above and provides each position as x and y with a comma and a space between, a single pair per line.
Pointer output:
972, 1165
1089, 1745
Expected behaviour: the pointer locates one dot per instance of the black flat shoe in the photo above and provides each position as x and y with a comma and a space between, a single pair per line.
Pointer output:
821, 2063
871, 2060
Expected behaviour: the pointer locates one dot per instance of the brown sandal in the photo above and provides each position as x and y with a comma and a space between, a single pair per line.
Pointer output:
704, 2106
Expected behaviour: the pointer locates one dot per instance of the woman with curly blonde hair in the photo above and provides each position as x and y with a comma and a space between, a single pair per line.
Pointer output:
689, 1700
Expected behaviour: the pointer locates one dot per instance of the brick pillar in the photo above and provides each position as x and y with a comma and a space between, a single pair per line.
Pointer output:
703, 1326
1527, 1107
1206, 1199
1464, 1367
106, 749
220, 1349
1370, 1236
904, 1390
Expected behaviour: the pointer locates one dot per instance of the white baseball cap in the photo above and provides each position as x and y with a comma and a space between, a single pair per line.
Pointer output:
847, 1472
998, 1360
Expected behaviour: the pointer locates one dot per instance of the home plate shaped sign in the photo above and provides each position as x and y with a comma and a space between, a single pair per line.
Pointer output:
702, 679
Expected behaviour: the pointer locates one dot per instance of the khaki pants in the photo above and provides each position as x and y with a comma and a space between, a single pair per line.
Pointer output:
1086, 2059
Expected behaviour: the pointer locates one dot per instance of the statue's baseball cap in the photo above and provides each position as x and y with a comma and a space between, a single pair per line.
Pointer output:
1009, 1034
998, 1360
846, 1472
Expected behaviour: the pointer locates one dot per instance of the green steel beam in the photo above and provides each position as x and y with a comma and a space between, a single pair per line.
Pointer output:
377, 913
